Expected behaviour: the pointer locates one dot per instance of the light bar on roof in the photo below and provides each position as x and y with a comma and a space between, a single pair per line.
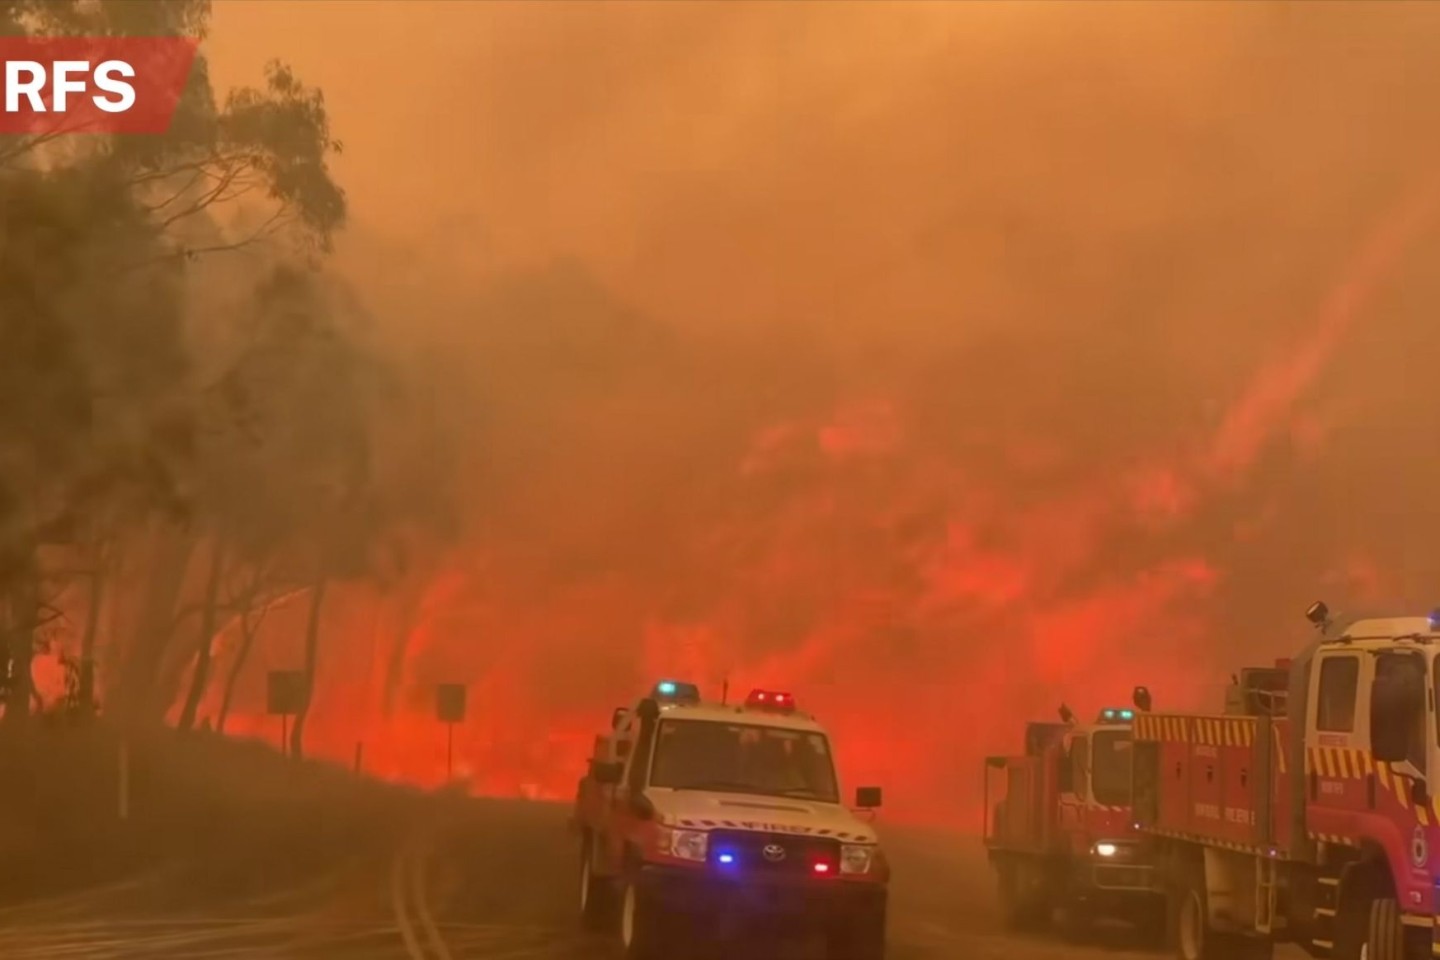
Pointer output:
676, 691
771, 700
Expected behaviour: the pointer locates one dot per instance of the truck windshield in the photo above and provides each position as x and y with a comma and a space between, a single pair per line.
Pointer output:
1110, 767
743, 758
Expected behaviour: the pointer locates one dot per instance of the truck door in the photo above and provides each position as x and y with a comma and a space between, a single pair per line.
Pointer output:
1337, 743
619, 818
1074, 791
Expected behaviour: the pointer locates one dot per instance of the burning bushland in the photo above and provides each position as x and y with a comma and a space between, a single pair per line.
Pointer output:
955, 360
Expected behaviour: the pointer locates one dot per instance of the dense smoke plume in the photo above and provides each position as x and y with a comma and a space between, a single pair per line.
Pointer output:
936, 362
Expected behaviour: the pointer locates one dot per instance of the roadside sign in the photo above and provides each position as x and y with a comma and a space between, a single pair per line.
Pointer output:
450, 703
285, 693
285, 697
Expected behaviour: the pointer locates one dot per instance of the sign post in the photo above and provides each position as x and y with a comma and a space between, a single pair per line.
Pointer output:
450, 710
284, 698
124, 780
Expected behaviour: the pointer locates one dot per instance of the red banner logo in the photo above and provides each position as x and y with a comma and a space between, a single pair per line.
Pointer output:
92, 84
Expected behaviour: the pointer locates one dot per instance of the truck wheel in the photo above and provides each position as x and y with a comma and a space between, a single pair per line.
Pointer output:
1152, 927
640, 935
1077, 924
1385, 936
1195, 939
858, 937
1020, 909
597, 894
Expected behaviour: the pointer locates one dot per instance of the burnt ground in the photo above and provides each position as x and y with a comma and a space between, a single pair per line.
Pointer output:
232, 852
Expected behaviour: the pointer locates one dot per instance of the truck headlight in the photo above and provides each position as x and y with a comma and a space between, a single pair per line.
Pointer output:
687, 844
856, 858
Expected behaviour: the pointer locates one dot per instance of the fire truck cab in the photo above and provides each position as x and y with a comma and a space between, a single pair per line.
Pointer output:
1062, 836
707, 819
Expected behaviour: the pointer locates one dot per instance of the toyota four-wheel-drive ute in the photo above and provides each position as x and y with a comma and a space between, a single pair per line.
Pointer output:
705, 819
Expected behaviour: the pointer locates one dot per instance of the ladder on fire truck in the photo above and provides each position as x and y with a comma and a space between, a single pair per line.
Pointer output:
1265, 884
1264, 695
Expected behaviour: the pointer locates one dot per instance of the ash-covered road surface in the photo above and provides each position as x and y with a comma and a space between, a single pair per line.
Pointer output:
467, 879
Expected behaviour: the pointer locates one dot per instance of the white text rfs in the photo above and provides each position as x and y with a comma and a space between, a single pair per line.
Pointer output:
33, 80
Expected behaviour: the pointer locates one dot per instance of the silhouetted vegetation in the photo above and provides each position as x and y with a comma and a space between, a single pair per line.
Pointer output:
190, 412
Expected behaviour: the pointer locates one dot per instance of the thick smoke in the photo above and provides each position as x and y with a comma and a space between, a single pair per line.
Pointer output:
937, 362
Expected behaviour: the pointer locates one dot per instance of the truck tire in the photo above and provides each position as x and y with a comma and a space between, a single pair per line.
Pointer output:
597, 894
1021, 909
1195, 939
859, 937
640, 935
1076, 923
1384, 936
1152, 927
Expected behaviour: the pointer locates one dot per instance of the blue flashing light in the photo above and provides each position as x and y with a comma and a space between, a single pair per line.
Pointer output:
726, 858
676, 691
1435, 621
1116, 715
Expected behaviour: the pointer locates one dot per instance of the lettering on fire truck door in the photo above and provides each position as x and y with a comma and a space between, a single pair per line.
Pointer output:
1337, 742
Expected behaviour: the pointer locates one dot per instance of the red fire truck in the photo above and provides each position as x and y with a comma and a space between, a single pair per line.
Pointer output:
1062, 836
698, 819
1303, 812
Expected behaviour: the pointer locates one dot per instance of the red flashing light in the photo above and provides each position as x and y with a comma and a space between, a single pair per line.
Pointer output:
822, 868
770, 700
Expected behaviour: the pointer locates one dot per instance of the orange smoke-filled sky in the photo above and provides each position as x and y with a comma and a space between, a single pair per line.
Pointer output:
938, 361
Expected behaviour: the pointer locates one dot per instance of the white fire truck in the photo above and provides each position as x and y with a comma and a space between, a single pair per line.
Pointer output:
706, 819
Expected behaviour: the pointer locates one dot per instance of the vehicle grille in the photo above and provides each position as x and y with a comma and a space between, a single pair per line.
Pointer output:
800, 853
1110, 877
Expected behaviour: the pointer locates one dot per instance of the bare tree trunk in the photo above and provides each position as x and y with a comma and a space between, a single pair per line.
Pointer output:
312, 650
24, 617
86, 692
156, 626
408, 619
200, 678
248, 629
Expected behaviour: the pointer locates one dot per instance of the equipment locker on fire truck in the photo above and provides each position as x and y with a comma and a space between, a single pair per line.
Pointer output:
697, 817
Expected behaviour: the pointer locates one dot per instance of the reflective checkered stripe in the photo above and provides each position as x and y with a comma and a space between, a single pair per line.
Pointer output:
1345, 763
1206, 731
1212, 731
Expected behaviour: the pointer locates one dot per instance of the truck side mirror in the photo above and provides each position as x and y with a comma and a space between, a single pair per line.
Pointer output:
641, 807
607, 773
867, 798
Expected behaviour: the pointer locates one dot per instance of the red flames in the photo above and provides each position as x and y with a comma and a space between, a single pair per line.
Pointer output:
921, 598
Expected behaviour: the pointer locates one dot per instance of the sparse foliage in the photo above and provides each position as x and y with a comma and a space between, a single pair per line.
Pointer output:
245, 478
